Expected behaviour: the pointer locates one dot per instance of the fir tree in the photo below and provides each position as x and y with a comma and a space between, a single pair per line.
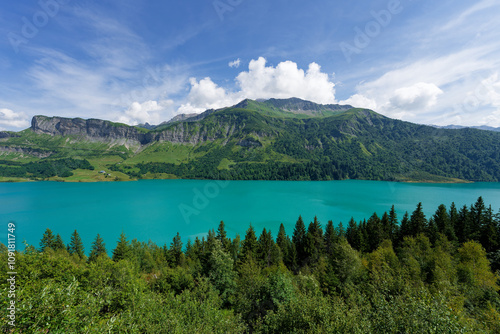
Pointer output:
98, 249
250, 244
58, 243
48, 240
176, 249
75, 245
331, 237
298, 239
393, 223
281, 241
122, 248
418, 223
222, 236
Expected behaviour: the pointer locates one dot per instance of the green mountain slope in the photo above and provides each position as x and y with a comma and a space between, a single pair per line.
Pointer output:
275, 139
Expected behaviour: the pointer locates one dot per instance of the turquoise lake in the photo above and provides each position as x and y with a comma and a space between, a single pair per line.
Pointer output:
157, 209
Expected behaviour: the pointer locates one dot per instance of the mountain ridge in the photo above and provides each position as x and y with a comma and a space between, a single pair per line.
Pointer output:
257, 140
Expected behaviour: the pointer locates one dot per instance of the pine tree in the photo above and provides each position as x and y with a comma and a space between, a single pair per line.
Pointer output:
374, 232
48, 240
393, 223
281, 241
222, 237
122, 248
463, 227
249, 244
443, 223
331, 237
478, 218
176, 249
98, 249
298, 239
489, 232
76, 245
265, 247
404, 230
418, 223
314, 245
58, 243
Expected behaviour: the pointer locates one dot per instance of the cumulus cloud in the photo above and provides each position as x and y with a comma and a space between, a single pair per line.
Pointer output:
286, 80
152, 112
205, 94
419, 96
12, 119
262, 82
235, 63
360, 101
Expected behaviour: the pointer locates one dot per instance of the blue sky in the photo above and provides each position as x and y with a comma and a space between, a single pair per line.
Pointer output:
146, 61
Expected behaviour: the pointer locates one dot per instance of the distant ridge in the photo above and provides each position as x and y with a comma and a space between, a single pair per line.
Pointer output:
479, 127
275, 139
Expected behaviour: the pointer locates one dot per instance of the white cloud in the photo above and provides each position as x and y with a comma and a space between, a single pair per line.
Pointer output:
235, 63
360, 101
286, 80
152, 112
205, 94
262, 82
419, 96
12, 119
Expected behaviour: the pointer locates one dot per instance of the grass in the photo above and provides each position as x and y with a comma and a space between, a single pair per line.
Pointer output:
163, 152
225, 164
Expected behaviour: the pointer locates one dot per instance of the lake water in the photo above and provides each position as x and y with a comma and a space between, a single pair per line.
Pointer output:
157, 209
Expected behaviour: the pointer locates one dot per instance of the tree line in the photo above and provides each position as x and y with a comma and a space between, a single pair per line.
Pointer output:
437, 274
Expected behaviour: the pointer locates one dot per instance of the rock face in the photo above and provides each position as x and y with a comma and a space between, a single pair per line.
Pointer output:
92, 128
96, 129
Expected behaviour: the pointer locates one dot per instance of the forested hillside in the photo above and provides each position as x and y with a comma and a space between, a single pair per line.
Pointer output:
275, 139
385, 274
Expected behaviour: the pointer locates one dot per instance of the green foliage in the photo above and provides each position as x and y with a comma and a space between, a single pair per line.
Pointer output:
98, 249
76, 245
395, 282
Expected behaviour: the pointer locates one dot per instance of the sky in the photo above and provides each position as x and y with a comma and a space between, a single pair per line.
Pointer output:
143, 61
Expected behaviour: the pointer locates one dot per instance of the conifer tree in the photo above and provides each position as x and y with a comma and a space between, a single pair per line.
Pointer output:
222, 236
281, 241
122, 248
331, 237
249, 244
489, 232
176, 249
298, 239
75, 245
58, 243
463, 228
48, 240
98, 249
477, 218
265, 247
418, 223
314, 246
393, 223
404, 229
443, 223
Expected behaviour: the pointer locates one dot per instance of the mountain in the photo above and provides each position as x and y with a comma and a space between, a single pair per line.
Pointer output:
479, 127
287, 139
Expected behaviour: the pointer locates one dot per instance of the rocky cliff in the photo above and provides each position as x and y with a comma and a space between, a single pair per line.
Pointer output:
96, 129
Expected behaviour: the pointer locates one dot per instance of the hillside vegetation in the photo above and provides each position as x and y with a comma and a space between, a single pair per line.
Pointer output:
261, 140
386, 274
